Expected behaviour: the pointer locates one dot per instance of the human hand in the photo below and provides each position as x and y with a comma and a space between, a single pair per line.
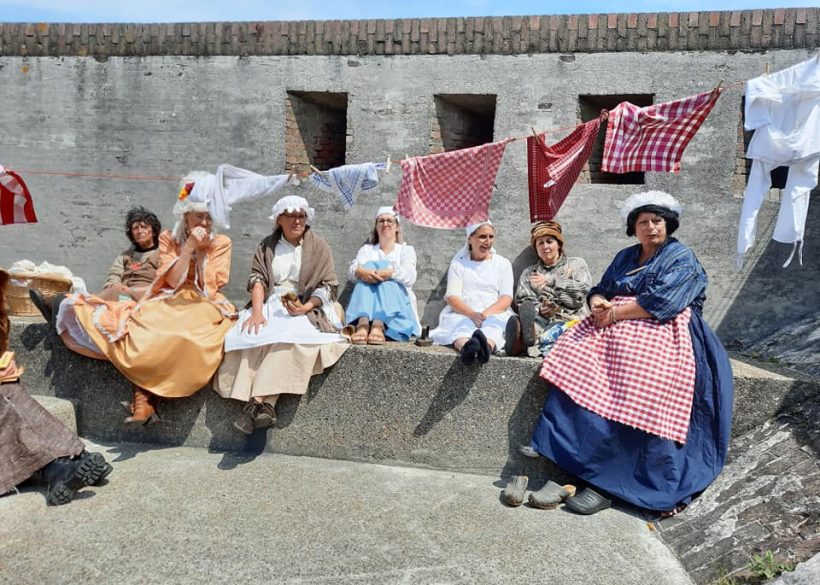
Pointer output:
254, 323
537, 280
369, 275
477, 318
296, 308
385, 274
547, 309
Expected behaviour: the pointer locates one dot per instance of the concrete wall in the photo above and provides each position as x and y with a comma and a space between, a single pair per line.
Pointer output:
162, 116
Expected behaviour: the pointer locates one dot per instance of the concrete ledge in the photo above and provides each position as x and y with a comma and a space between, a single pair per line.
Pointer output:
62, 409
394, 404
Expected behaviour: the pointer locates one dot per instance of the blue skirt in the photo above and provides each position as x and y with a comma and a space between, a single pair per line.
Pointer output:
640, 468
387, 301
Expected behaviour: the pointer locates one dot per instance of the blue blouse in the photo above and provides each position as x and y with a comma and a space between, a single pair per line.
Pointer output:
670, 281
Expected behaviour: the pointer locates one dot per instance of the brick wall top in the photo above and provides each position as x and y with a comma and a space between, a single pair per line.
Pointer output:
790, 28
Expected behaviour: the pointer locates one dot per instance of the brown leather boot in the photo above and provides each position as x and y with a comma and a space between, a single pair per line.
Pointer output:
142, 409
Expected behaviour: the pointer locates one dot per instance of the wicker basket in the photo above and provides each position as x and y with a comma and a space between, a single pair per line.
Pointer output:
18, 299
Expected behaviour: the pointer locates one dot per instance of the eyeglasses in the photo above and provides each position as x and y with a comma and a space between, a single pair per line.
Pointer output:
295, 216
386, 221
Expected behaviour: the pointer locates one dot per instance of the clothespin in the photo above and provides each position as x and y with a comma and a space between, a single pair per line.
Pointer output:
2, 170
387, 166
315, 170
766, 70
719, 84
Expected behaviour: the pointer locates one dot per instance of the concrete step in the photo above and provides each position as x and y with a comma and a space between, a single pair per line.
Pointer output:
186, 516
393, 404
62, 409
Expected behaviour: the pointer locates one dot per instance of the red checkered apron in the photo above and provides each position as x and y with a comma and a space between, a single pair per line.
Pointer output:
639, 372
451, 189
554, 169
654, 138
16, 205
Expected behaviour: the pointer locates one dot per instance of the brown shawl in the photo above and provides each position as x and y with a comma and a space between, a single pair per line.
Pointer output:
317, 271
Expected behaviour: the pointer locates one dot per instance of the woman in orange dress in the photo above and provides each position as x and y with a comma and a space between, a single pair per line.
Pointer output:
169, 343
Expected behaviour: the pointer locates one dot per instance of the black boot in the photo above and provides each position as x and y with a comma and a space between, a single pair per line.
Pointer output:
63, 478
94, 468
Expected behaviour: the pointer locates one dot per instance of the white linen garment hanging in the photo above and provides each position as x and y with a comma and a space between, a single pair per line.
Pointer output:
784, 111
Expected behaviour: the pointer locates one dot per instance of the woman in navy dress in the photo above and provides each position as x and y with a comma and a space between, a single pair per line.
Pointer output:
651, 285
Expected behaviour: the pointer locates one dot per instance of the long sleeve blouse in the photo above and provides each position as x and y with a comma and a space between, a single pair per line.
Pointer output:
567, 283
402, 261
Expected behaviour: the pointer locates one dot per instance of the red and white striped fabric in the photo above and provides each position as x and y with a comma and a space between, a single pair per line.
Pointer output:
638, 372
554, 169
654, 138
16, 205
451, 189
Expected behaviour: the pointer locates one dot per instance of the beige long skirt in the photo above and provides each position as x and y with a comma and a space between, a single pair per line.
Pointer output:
270, 370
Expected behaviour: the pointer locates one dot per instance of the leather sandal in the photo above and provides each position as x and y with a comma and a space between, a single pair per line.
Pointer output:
588, 502
513, 494
376, 336
551, 495
359, 336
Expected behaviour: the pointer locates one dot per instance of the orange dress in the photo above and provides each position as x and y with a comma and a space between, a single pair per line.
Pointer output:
170, 342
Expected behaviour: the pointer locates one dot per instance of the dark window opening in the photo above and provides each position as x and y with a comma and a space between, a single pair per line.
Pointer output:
315, 130
462, 121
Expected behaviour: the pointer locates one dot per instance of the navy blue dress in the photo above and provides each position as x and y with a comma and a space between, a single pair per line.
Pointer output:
638, 467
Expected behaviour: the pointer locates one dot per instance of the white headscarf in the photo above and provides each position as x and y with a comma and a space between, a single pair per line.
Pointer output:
291, 203
464, 252
658, 198
387, 210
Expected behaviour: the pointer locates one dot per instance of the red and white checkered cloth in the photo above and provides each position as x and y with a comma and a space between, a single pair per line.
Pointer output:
451, 189
654, 138
554, 169
16, 205
637, 372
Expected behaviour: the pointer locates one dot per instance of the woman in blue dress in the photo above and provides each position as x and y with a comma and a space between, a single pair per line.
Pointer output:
648, 289
383, 302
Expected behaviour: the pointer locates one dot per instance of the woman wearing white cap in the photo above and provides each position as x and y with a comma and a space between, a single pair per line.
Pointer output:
479, 295
169, 344
290, 330
383, 302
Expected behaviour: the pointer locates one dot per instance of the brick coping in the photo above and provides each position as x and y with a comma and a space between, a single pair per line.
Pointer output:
753, 30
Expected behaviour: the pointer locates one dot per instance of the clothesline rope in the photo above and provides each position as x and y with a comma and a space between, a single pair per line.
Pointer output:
300, 175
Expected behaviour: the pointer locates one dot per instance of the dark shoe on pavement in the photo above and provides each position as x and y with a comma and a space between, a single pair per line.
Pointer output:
264, 417
549, 496
513, 494
244, 422
63, 476
588, 502
469, 352
513, 344
93, 468
40, 302
527, 312
484, 350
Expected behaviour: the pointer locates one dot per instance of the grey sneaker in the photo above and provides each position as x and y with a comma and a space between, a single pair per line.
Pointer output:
244, 422
264, 417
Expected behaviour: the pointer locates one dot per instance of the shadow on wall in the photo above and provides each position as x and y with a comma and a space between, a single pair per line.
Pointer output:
772, 296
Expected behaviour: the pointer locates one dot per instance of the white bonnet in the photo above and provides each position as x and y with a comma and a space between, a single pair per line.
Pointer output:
471, 229
291, 203
198, 197
658, 198
387, 210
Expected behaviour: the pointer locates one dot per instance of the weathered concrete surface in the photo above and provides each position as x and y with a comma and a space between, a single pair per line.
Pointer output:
61, 409
807, 573
164, 116
766, 498
185, 516
395, 404
795, 345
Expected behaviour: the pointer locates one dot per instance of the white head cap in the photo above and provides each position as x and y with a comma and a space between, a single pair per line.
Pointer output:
291, 203
473, 227
194, 194
387, 210
658, 198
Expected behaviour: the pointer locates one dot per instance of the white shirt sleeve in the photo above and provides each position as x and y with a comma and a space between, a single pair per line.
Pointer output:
362, 257
455, 280
404, 271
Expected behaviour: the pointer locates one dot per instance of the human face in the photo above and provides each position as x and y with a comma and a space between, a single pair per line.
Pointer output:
143, 234
387, 227
293, 225
548, 249
198, 219
481, 243
650, 229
